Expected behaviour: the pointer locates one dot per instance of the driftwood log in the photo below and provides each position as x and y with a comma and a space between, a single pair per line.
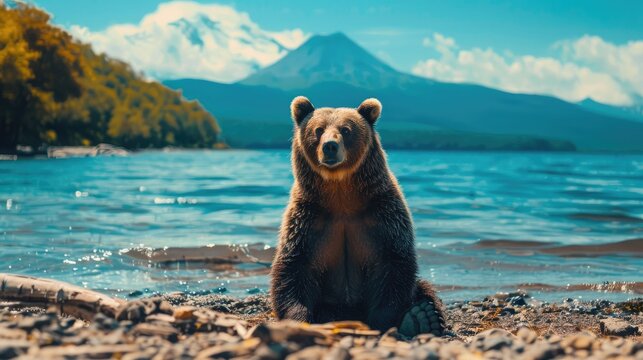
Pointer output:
69, 299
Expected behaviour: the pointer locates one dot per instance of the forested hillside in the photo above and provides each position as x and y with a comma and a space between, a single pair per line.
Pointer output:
56, 91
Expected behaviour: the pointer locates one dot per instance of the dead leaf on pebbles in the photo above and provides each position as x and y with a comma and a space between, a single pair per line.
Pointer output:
184, 312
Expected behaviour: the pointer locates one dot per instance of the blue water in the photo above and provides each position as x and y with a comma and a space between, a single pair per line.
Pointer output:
74, 219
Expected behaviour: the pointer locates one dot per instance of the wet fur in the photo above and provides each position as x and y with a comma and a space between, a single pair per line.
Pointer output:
346, 249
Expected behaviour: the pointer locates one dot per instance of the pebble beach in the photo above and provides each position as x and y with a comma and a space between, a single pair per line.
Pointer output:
180, 326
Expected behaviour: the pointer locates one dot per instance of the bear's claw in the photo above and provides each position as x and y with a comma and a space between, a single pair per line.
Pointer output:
422, 318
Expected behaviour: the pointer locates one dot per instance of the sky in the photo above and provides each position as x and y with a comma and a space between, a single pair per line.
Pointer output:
569, 49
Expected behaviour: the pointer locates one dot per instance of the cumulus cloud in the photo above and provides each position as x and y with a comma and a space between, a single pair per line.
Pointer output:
186, 39
623, 62
588, 67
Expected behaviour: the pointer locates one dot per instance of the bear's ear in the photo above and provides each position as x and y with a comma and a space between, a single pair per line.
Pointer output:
370, 109
300, 107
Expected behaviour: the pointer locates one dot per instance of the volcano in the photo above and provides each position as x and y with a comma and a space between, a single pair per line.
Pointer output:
332, 58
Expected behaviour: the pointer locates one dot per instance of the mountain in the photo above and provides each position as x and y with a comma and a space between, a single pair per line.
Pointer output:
634, 112
418, 113
332, 58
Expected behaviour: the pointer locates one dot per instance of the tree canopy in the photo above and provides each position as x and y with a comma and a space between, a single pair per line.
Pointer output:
55, 90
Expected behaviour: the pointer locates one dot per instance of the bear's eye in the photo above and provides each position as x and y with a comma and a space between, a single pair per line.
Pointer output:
319, 132
345, 131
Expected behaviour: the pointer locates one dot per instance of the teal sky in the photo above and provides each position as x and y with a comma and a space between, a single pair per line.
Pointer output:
395, 29
570, 49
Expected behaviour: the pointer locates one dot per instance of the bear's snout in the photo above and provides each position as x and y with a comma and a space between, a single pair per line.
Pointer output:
332, 153
330, 148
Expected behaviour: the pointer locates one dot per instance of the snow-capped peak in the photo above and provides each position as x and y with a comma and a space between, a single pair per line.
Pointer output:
186, 39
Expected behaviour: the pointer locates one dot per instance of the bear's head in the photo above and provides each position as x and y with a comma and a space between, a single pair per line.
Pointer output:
334, 141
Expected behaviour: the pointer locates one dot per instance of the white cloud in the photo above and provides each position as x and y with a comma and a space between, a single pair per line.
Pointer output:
186, 39
623, 62
588, 67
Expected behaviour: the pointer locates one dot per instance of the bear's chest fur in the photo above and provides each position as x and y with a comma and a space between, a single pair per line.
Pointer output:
344, 248
344, 252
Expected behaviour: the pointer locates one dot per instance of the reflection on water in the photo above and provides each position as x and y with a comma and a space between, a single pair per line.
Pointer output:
74, 219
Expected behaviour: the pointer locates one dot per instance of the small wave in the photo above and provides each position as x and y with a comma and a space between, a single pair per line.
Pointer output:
226, 260
625, 287
606, 217
553, 172
258, 253
593, 182
472, 261
238, 190
510, 244
631, 247
210, 178
171, 200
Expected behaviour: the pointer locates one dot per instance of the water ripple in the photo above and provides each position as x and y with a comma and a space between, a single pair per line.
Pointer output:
69, 218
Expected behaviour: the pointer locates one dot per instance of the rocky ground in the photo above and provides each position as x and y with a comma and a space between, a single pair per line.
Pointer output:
177, 326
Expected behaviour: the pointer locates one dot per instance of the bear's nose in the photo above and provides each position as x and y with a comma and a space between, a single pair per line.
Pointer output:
330, 148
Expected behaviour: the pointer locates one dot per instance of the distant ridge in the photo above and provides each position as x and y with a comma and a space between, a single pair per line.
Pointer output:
332, 70
626, 112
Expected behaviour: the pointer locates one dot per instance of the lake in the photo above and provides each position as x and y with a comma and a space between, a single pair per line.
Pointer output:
552, 224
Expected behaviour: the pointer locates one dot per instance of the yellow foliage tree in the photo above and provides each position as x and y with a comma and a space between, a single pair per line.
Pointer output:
54, 90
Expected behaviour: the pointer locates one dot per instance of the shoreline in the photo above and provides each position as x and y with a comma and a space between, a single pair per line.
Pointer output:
178, 325
242, 269
63, 151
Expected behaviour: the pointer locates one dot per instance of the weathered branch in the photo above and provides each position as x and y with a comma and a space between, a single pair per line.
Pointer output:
71, 300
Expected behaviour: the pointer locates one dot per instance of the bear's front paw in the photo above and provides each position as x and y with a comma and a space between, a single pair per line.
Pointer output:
422, 318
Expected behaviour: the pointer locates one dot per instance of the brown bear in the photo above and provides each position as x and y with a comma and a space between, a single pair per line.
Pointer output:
346, 245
